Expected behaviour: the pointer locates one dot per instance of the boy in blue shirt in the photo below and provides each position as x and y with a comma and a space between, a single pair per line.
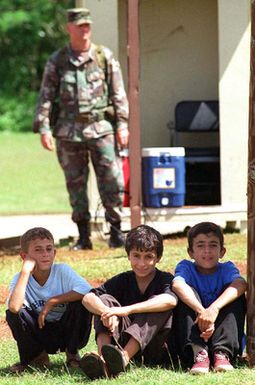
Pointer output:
45, 312
211, 311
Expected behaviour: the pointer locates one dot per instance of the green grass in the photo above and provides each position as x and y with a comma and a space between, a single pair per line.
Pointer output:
31, 179
102, 263
59, 374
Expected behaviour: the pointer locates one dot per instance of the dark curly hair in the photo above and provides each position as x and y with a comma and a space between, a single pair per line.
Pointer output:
144, 238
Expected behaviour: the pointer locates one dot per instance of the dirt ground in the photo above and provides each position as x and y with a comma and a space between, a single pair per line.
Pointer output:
4, 328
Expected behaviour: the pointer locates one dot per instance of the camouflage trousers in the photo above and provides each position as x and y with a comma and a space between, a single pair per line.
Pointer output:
74, 160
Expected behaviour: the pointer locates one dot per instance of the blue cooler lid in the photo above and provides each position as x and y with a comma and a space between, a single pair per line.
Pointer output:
158, 151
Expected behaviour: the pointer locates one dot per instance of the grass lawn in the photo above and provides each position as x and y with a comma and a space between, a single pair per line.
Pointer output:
96, 266
31, 179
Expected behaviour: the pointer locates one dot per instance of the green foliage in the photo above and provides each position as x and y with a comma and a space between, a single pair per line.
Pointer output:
29, 32
16, 111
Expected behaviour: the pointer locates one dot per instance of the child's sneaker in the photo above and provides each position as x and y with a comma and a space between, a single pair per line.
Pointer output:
201, 364
221, 362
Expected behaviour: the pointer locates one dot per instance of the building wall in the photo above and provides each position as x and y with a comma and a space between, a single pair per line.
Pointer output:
105, 22
234, 67
196, 49
179, 60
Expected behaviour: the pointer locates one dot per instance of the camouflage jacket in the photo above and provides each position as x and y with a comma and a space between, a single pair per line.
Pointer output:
84, 88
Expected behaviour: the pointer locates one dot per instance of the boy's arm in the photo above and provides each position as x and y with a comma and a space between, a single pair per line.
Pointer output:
70, 296
230, 294
187, 295
94, 304
17, 296
157, 303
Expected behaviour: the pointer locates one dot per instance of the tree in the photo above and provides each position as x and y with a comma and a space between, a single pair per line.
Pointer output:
29, 32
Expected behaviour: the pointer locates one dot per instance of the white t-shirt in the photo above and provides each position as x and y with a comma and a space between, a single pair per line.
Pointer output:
62, 279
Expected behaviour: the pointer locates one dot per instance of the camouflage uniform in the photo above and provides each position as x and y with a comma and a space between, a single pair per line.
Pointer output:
85, 87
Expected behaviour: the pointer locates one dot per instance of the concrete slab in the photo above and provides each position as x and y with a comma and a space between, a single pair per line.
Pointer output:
165, 220
61, 225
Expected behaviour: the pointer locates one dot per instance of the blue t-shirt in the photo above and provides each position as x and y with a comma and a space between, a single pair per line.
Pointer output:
208, 286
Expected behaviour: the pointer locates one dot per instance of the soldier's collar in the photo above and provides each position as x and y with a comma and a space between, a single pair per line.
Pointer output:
78, 59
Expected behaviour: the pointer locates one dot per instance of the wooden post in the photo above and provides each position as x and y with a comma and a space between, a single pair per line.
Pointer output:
251, 202
134, 117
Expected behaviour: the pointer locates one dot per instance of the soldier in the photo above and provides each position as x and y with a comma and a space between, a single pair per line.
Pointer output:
83, 97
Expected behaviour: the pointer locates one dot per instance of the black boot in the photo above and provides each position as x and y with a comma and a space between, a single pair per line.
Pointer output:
84, 242
116, 237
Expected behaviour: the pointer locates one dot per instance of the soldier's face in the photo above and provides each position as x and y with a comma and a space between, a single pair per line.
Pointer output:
79, 33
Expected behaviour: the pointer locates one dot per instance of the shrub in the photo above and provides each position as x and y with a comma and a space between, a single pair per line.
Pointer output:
16, 112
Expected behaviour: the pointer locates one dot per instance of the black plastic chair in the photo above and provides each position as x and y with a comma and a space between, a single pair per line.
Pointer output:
199, 121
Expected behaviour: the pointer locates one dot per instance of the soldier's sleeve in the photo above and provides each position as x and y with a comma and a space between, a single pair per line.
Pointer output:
117, 92
48, 92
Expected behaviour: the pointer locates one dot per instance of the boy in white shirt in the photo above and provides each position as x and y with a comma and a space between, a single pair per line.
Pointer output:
45, 312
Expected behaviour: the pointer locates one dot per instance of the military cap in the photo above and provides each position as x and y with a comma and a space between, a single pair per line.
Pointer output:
79, 16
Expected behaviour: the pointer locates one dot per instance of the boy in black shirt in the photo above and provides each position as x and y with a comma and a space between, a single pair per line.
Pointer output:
133, 310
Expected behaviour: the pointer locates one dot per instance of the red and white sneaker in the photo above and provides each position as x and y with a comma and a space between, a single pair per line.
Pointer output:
221, 362
201, 364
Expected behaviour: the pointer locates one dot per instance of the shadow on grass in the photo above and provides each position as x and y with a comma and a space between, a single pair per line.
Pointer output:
55, 370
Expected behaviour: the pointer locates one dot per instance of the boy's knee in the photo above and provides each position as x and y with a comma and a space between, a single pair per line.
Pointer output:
78, 311
9, 316
14, 317
109, 300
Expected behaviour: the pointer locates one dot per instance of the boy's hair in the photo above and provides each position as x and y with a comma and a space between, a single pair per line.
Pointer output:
205, 228
32, 234
144, 238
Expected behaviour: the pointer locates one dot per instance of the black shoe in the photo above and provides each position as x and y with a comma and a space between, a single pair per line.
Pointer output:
115, 360
93, 366
116, 241
82, 244
116, 237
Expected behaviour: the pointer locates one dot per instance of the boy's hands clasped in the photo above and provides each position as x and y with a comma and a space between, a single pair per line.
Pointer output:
206, 320
121, 311
110, 316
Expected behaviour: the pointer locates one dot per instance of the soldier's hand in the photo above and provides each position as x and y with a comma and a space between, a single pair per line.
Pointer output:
48, 141
122, 136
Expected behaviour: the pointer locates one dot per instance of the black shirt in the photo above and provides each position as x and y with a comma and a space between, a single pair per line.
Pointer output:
123, 287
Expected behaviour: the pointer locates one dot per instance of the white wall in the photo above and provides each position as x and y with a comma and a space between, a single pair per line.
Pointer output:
179, 60
105, 22
197, 49
234, 65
